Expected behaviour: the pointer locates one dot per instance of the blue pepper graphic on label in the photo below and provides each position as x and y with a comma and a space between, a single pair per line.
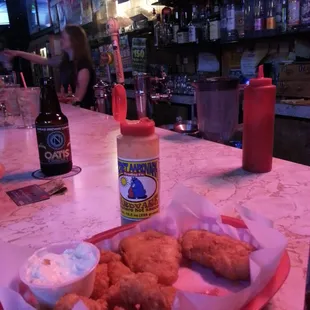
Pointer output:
136, 190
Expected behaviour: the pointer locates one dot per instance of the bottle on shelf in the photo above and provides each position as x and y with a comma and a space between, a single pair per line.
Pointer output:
167, 33
259, 20
175, 26
157, 32
293, 14
240, 18
215, 23
52, 130
248, 18
271, 16
281, 15
183, 30
223, 24
305, 13
231, 21
192, 33
206, 23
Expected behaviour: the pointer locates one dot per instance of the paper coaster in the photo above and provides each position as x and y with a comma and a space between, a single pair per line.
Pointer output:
39, 175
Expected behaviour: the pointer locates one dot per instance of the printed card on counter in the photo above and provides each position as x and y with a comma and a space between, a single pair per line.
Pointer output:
27, 195
35, 193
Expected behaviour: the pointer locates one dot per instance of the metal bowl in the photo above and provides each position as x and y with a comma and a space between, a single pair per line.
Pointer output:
186, 127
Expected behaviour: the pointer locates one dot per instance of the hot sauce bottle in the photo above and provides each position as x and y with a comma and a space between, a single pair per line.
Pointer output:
138, 169
258, 126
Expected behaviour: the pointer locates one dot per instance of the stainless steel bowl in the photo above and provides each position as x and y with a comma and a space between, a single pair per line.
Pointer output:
186, 127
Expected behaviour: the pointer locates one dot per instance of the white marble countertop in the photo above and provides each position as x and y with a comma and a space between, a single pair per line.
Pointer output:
91, 203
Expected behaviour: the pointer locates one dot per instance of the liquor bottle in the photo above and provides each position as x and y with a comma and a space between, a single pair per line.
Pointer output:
157, 32
192, 35
52, 130
248, 18
259, 21
223, 24
215, 23
231, 21
293, 14
305, 13
183, 30
271, 16
175, 26
206, 24
284, 15
167, 34
279, 15
240, 18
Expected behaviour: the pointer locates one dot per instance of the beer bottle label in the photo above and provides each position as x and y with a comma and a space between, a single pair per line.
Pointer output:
54, 144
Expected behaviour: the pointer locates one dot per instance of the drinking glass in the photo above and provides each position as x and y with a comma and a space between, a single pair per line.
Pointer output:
8, 101
29, 105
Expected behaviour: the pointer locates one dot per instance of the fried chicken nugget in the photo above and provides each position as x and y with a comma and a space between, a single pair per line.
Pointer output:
101, 281
153, 252
226, 256
116, 270
68, 301
108, 256
143, 289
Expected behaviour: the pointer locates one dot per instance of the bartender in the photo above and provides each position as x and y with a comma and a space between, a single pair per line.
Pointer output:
76, 67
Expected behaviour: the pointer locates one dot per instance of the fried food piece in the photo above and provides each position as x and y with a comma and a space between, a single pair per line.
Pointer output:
142, 289
153, 252
68, 301
224, 255
108, 256
101, 281
116, 270
169, 293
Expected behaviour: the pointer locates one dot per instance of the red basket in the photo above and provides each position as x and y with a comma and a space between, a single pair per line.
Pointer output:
262, 298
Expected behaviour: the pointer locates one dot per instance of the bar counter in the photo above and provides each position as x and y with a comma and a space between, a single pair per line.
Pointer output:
91, 204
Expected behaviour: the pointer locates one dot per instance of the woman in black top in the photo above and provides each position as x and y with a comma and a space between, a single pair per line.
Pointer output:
76, 67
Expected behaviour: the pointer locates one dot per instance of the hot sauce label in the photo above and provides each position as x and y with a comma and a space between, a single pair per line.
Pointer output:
139, 188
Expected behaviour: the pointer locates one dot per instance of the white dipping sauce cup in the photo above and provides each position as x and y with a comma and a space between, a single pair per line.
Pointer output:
49, 294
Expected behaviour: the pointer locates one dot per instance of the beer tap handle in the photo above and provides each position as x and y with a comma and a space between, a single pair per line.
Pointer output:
113, 30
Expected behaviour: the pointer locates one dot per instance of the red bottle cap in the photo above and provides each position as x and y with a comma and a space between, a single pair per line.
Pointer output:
141, 128
260, 80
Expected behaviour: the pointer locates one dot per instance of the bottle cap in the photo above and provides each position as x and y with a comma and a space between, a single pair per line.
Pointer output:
139, 128
260, 80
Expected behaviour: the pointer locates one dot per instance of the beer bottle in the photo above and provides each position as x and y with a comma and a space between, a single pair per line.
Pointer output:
52, 133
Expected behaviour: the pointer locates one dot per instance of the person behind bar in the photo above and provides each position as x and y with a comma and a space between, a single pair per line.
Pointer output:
75, 65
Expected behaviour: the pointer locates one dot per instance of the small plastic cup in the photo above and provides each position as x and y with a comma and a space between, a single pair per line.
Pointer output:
48, 295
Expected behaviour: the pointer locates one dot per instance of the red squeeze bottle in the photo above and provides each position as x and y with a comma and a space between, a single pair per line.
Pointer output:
258, 124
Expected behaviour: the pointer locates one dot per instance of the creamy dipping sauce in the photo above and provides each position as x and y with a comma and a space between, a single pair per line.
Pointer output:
48, 268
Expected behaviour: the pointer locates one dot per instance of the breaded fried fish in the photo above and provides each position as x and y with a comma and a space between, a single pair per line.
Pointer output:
108, 256
142, 290
116, 270
226, 256
153, 252
101, 281
68, 301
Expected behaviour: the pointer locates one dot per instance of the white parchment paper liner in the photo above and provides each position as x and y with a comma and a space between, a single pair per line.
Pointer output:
188, 210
